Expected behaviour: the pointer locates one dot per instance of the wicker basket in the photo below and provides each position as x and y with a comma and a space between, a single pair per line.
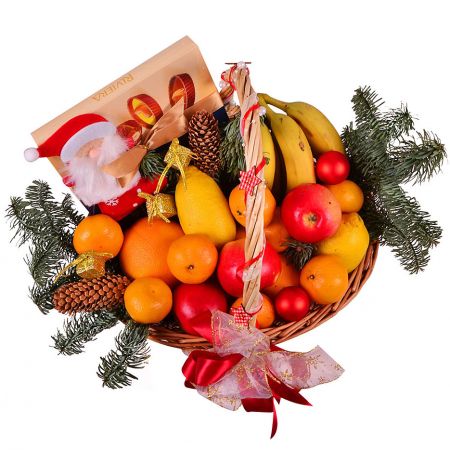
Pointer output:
172, 335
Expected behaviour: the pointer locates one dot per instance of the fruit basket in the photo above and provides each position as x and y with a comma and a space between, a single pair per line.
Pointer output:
218, 228
173, 335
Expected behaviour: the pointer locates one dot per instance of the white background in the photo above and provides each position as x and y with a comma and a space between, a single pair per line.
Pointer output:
392, 340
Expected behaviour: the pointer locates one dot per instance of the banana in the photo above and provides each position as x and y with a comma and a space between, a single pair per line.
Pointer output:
269, 153
294, 148
321, 134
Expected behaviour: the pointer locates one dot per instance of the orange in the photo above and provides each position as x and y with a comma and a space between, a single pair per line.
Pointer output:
192, 258
148, 300
237, 205
98, 233
288, 277
325, 279
349, 195
276, 232
266, 315
145, 248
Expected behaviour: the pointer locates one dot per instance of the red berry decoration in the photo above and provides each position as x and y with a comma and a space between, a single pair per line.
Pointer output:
332, 167
292, 303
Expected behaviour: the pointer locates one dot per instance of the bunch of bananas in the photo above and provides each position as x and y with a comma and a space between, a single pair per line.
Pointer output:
292, 141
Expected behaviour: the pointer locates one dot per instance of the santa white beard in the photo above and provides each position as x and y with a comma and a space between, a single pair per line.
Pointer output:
91, 184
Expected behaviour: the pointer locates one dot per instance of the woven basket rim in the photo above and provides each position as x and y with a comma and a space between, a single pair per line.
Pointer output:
282, 332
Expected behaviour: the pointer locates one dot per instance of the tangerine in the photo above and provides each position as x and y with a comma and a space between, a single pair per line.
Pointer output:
192, 258
145, 247
276, 232
349, 195
148, 300
325, 279
265, 316
288, 277
98, 233
238, 208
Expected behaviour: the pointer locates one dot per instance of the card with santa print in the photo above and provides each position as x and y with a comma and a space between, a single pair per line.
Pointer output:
89, 144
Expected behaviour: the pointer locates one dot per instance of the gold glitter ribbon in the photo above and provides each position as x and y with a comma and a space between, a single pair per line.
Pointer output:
88, 265
178, 157
172, 123
159, 205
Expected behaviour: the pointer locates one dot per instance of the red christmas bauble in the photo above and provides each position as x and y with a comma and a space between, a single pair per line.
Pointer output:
292, 303
332, 167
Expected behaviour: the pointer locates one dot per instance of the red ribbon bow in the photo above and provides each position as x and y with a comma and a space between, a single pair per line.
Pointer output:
244, 369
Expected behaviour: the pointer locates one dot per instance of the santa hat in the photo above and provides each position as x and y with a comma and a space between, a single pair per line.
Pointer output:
70, 137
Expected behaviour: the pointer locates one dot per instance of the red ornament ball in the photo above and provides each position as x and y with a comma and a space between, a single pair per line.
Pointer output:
292, 303
332, 167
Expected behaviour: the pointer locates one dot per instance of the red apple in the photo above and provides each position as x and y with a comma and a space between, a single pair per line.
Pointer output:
191, 300
310, 213
292, 303
231, 267
332, 167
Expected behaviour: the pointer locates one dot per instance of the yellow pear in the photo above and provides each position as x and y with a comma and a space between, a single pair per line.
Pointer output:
203, 209
350, 242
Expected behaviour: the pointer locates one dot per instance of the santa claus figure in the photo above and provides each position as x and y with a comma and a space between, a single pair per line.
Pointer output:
85, 144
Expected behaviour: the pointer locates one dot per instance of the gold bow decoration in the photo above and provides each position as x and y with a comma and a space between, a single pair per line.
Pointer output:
177, 157
172, 123
88, 265
159, 205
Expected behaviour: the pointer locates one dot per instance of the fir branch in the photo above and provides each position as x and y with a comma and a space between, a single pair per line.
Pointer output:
82, 328
298, 253
417, 159
23, 220
399, 121
70, 211
132, 352
42, 294
47, 225
232, 150
385, 153
42, 261
152, 164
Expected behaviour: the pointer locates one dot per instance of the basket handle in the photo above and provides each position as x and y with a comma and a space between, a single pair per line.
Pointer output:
254, 226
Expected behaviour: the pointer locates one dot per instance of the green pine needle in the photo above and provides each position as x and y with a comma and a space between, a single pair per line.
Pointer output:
232, 151
298, 253
47, 226
152, 164
132, 352
386, 152
82, 328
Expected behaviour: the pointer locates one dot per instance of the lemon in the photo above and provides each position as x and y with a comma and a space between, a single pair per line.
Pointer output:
203, 209
350, 242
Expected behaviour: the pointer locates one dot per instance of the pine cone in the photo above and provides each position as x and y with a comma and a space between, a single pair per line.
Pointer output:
91, 295
204, 140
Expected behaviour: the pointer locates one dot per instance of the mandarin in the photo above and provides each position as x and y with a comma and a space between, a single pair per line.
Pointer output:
192, 258
288, 277
238, 208
265, 316
148, 300
348, 194
276, 232
325, 279
98, 233
145, 248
